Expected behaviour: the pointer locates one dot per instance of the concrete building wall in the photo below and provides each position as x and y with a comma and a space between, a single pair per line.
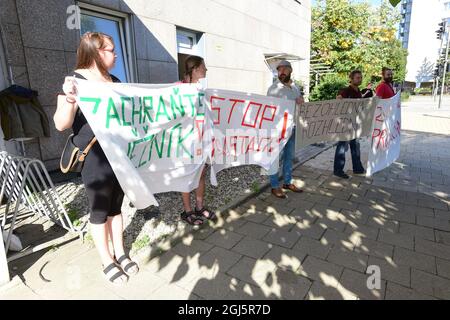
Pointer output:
237, 34
4, 145
41, 50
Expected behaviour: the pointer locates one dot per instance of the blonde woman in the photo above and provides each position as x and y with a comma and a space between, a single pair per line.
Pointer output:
95, 58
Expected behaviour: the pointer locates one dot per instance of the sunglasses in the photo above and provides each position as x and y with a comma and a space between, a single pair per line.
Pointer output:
109, 50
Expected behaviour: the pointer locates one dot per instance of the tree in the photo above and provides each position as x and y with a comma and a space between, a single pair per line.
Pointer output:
425, 72
350, 36
447, 79
394, 3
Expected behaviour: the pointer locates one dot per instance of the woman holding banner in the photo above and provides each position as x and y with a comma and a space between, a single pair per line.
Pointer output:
195, 69
95, 58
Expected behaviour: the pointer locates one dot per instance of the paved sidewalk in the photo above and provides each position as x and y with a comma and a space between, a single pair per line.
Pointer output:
315, 245
421, 113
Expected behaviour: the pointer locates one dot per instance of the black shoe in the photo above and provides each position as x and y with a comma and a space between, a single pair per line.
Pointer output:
360, 172
319, 145
342, 175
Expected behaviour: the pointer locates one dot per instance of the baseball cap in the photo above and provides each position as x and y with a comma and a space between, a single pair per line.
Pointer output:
284, 63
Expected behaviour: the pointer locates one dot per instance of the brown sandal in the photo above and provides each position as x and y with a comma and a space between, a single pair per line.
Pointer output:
191, 218
201, 212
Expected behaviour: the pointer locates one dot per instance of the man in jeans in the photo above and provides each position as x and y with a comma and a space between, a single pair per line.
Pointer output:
285, 88
351, 92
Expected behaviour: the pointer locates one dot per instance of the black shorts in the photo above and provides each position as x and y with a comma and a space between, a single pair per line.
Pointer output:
103, 190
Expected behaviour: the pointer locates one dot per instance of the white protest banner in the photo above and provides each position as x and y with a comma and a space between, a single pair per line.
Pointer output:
386, 135
148, 134
249, 129
334, 120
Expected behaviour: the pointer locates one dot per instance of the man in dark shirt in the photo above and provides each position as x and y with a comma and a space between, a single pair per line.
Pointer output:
351, 92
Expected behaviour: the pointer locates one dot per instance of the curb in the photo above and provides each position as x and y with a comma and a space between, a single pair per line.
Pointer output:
143, 256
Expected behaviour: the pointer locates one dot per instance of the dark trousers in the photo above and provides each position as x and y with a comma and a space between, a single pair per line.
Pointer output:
339, 158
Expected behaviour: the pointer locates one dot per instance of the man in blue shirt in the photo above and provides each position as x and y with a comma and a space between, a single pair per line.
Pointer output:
285, 88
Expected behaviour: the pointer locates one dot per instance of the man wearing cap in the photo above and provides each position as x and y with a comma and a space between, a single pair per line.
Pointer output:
285, 88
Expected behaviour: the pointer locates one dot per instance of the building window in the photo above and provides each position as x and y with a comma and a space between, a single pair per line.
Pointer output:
189, 42
186, 41
118, 26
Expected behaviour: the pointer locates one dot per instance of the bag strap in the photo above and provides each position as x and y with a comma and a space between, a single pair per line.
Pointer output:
94, 139
79, 75
88, 148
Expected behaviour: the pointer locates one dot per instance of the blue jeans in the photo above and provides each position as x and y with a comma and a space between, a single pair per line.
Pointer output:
339, 158
288, 159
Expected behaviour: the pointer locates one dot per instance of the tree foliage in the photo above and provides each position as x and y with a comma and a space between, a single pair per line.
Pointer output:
394, 3
350, 36
328, 88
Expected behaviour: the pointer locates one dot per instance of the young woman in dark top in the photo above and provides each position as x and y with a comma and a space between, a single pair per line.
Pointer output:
95, 57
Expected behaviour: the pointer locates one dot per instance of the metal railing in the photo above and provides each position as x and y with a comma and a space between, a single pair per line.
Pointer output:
26, 183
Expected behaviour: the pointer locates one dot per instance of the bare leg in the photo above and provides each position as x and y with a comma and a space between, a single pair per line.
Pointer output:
115, 224
116, 233
200, 196
100, 234
186, 201
200, 192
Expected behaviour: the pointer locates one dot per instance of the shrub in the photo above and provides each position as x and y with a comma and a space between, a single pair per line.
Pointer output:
405, 95
422, 91
328, 88
300, 85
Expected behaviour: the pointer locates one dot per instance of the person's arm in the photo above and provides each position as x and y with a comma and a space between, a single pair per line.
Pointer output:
67, 107
270, 91
341, 95
300, 100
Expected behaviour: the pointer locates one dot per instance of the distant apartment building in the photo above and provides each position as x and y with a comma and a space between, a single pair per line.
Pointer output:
405, 24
